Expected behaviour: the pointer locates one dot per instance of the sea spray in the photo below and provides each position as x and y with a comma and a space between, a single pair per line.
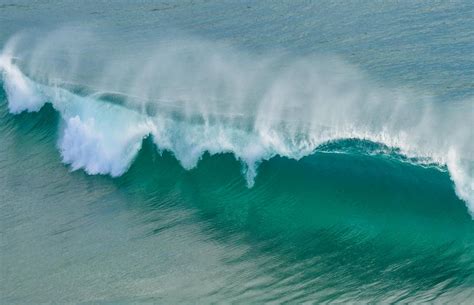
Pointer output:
196, 96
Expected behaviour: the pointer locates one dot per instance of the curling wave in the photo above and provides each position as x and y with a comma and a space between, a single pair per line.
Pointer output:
195, 97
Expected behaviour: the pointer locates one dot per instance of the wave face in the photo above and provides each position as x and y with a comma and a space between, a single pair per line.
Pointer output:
345, 217
194, 97
199, 171
242, 152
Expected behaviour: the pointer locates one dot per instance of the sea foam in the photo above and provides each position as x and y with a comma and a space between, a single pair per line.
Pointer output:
195, 97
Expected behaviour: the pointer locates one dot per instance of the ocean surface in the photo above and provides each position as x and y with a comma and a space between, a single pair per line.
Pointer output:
236, 152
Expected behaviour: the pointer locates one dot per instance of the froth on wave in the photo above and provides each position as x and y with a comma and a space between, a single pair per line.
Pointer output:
195, 97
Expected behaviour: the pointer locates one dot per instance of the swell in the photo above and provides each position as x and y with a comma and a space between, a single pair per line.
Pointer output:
294, 114
308, 214
320, 203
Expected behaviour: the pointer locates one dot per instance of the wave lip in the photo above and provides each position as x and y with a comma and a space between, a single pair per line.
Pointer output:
295, 111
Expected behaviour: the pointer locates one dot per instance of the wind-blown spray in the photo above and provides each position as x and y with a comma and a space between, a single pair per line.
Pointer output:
194, 97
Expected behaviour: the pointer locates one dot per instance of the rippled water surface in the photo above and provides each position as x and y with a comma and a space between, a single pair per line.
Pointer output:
204, 152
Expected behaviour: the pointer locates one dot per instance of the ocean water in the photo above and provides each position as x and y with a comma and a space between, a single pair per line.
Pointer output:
200, 152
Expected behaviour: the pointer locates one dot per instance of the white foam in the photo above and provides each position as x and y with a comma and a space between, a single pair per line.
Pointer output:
462, 175
255, 108
84, 145
22, 93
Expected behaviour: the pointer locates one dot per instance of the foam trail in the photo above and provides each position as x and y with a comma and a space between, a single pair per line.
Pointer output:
192, 101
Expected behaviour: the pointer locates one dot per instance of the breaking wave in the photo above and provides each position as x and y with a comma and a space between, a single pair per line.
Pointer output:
194, 97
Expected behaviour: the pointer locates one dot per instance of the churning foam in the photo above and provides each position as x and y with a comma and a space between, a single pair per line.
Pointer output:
223, 101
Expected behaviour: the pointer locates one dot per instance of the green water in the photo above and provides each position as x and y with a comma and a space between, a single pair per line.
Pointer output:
354, 220
327, 227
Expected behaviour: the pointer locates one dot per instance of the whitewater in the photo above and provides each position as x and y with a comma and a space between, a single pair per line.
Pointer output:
193, 96
244, 152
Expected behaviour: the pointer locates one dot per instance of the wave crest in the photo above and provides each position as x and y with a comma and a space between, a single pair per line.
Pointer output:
192, 100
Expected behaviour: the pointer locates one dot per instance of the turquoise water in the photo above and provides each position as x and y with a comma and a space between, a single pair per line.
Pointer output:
224, 152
